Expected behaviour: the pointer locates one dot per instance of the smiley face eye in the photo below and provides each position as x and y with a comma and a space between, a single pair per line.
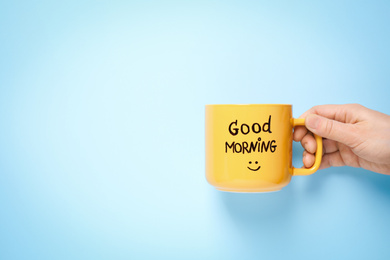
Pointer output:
256, 162
250, 162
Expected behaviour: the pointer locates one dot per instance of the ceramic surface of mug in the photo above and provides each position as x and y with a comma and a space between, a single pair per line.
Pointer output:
249, 147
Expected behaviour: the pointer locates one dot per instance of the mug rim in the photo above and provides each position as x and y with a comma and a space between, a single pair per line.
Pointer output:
207, 105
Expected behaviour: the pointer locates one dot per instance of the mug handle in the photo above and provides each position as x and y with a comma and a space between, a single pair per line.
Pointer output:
318, 156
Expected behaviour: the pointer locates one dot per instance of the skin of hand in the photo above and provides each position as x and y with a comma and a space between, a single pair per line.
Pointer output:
353, 135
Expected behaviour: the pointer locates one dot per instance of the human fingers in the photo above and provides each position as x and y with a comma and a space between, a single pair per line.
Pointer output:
341, 113
308, 159
348, 113
299, 133
334, 130
331, 159
309, 143
329, 146
328, 111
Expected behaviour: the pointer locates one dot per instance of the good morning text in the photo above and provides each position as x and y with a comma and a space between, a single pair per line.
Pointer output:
260, 146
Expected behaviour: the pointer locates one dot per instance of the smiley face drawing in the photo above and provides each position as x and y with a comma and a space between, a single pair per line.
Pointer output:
256, 168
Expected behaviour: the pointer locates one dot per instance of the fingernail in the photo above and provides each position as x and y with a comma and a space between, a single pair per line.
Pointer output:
312, 121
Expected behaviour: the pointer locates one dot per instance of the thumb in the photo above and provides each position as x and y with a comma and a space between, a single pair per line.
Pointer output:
331, 129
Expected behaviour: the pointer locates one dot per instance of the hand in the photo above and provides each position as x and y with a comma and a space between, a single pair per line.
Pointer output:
353, 136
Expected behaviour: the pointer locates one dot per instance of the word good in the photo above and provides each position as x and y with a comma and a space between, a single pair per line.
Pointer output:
246, 129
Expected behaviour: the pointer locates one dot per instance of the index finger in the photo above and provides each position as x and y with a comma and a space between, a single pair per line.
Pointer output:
299, 133
341, 113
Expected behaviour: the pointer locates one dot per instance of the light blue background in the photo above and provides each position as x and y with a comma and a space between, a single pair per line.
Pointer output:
102, 127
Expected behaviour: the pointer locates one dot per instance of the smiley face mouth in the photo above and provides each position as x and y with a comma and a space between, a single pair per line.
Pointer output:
255, 169
258, 168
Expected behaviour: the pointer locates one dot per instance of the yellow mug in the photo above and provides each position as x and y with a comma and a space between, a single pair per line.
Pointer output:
249, 147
